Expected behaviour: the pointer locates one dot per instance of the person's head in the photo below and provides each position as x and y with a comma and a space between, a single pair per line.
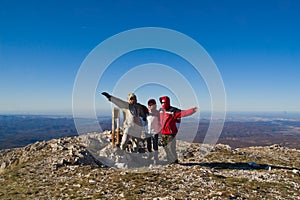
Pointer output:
132, 98
165, 102
152, 104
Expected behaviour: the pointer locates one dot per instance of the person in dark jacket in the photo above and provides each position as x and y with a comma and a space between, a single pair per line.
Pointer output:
134, 114
169, 116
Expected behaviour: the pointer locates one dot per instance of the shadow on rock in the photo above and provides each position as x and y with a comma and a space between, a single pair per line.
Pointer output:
238, 166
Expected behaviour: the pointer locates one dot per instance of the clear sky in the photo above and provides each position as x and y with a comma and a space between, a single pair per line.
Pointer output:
254, 44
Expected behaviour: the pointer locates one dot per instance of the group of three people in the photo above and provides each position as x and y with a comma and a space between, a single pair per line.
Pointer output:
157, 121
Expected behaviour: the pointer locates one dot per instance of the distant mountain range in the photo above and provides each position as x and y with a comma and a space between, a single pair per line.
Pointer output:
240, 130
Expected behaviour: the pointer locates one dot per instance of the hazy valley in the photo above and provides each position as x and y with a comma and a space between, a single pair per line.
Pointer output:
238, 131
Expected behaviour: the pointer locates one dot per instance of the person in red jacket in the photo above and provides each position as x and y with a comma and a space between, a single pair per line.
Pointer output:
169, 116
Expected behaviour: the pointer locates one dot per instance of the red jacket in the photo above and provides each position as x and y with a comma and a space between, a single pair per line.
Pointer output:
169, 118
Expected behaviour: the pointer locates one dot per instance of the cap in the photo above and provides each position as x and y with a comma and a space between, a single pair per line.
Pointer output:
164, 99
151, 102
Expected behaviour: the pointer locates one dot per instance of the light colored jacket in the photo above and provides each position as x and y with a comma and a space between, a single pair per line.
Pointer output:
133, 115
154, 126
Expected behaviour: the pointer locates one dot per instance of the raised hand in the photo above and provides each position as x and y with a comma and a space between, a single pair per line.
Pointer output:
106, 95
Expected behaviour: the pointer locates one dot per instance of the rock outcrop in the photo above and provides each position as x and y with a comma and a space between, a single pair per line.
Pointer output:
68, 168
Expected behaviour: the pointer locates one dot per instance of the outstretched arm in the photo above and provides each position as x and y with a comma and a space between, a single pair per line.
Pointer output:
118, 102
187, 112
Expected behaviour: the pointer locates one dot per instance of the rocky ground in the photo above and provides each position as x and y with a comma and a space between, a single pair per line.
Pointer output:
65, 169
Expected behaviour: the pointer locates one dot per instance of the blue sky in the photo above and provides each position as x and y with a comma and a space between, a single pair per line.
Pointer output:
255, 45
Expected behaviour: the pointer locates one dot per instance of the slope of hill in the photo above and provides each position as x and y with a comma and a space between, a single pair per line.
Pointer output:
64, 168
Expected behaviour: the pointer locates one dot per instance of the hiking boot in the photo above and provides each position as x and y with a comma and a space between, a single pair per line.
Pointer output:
175, 162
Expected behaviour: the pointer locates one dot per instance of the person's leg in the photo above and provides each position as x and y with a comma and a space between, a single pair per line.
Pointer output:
136, 134
169, 144
149, 143
173, 155
124, 139
155, 146
164, 142
155, 142
135, 144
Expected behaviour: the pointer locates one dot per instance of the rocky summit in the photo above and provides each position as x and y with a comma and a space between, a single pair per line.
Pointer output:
68, 168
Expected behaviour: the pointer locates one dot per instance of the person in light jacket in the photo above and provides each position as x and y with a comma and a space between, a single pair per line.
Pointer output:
169, 116
134, 113
153, 128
